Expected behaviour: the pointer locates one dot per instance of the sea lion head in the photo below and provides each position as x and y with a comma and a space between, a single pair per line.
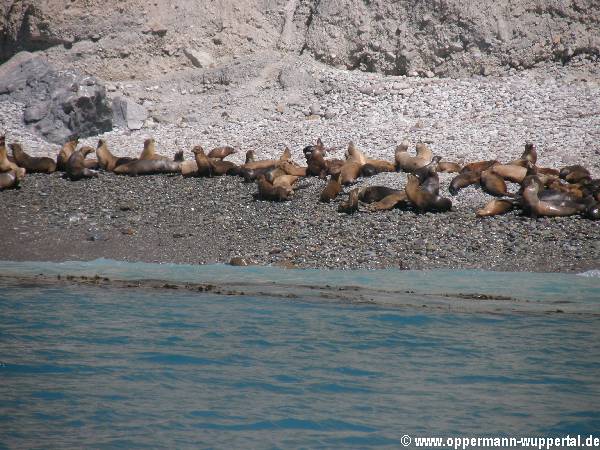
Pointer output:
198, 150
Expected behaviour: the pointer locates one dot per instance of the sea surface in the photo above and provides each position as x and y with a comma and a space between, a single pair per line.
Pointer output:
353, 359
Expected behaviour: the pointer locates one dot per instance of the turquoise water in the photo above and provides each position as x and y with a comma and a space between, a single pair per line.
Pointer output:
101, 367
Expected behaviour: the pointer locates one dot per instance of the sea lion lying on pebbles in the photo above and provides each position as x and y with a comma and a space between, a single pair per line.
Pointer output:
425, 200
11, 178
64, 154
267, 191
30, 163
408, 163
332, 189
6, 164
108, 161
557, 205
75, 169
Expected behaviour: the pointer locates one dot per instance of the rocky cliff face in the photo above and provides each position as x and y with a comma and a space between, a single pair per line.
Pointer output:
120, 40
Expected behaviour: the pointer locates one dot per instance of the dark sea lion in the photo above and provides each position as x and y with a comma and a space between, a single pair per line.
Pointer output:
368, 170
108, 161
423, 172
424, 200
334, 166
350, 206
371, 194
575, 173
221, 152
462, 180
310, 148
592, 208
250, 175
220, 167
478, 166
331, 190
12, 178
32, 164
350, 172
546, 207
494, 184
408, 163
64, 154
75, 169
496, 207
266, 190
510, 172
431, 184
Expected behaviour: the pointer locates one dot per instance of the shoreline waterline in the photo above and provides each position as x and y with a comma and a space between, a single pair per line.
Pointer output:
455, 290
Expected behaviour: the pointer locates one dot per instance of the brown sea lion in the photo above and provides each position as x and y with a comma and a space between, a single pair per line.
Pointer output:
350, 172
32, 164
408, 163
12, 178
494, 184
462, 180
316, 164
496, 207
75, 169
148, 167
510, 172
266, 190
6, 165
291, 168
371, 194
389, 202
424, 200
310, 148
221, 152
108, 161
478, 166
203, 164
422, 173
355, 155
381, 165
252, 163
529, 155
64, 154
334, 166
149, 152
332, 189
285, 181
350, 206
575, 173
449, 167
549, 206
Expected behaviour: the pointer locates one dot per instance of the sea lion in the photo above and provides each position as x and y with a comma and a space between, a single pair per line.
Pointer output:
316, 164
389, 202
108, 161
424, 200
75, 168
266, 190
350, 172
286, 155
332, 189
310, 148
546, 207
494, 184
510, 172
422, 173
574, 174
592, 208
371, 194
221, 152
408, 163
285, 181
64, 154
529, 155
478, 166
291, 168
148, 167
350, 206
449, 167
32, 164
149, 153
496, 207
11, 178
381, 165
355, 155
431, 184
6, 164
252, 164
462, 180
334, 166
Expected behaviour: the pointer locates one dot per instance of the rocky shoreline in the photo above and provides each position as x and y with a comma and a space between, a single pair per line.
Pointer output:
212, 220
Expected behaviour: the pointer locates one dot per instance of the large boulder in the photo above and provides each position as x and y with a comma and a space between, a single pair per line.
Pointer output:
128, 114
58, 105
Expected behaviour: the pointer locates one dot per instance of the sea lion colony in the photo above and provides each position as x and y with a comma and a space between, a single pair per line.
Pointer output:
542, 191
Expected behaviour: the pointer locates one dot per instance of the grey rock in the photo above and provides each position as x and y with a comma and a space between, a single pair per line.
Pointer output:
58, 105
128, 114
199, 58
